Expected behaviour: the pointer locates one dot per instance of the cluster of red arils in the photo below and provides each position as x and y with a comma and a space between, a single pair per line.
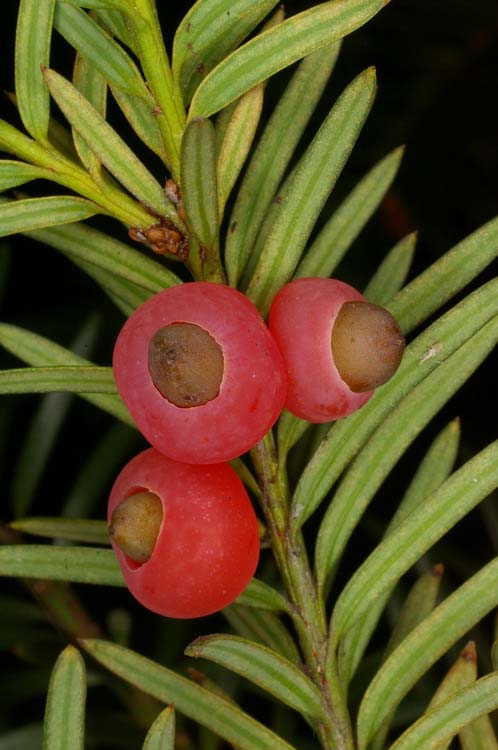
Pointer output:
204, 379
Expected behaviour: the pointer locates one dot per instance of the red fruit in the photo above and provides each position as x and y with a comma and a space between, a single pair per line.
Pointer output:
337, 347
205, 391
207, 546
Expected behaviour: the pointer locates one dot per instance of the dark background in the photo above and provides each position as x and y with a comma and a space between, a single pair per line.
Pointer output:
437, 67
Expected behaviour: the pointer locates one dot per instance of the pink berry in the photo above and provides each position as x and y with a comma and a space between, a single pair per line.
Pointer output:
192, 530
200, 372
337, 347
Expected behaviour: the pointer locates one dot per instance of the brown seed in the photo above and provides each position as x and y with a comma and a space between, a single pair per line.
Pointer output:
367, 345
185, 364
135, 524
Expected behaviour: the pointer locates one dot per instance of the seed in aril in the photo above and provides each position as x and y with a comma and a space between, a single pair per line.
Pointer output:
337, 347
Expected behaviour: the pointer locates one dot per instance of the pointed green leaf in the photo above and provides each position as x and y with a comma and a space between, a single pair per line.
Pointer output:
264, 627
208, 33
15, 173
461, 674
263, 667
434, 469
392, 272
390, 441
73, 529
424, 646
444, 278
199, 186
418, 604
101, 51
418, 532
139, 109
273, 154
161, 735
71, 564
98, 249
346, 223
223, 718
38, 213
108, 146
239, 135
64, 726
444, 721
33, 35
279, 47
77, 379
92, 85
259, 594
305, 192
38, 351
422, 356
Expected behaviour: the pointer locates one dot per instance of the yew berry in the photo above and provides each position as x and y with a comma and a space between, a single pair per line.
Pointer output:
200, 373
337, 347
186, 537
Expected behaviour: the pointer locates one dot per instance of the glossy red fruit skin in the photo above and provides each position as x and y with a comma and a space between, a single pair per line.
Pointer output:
207, 548
302, 316
253, 387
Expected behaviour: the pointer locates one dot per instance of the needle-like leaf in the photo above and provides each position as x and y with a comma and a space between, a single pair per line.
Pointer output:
392, 272
41, 352
272, 156
434, 469
444, 721
77, 379
99, 49
33, 36
347, 222
71, 564
263, 667
38, 213
237, 140
15, 173
199, 185
64, 726
259, 594
108, 145
222, 717
208, 33
424, 646
161, 735
456, 497
73, 529
305, 192
277, 48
